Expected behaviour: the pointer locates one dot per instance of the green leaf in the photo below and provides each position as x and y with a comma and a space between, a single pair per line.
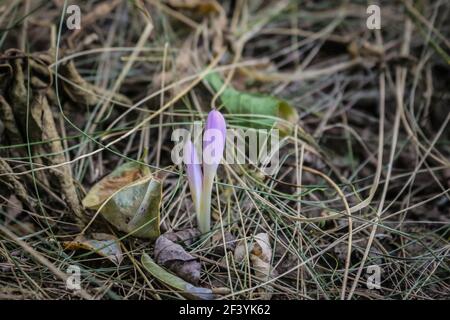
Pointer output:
184, 288
129, 198
255, 110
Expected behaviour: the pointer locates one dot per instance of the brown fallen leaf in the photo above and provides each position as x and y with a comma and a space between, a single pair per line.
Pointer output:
10, 181
35, 114
261, 258
260, 255
173, 256
13, 107
186, 236
63, 174
9, 122
103, 244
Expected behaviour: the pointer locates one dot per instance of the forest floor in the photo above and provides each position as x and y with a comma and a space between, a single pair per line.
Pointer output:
357, 208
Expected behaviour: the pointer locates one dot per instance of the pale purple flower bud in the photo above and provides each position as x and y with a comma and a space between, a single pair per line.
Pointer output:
194, 173
214, 140
213, 145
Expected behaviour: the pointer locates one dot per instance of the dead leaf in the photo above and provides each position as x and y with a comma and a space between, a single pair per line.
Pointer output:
11, 181
186, 289
186, 236
9, 122
36, 114
103, 244
261, 258
260, 255
129, 198
135, 208
63, 173
174, 257
240, 252
119, 178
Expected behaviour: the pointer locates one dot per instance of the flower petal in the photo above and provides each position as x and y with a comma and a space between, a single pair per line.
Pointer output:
214, 140
194, 173
213, 145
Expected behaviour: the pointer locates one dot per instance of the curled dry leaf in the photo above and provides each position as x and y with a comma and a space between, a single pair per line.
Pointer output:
184, 288
105, 245
261, 258
173, 256
260, 254
35, 114
9, 122
129, 198
13, 183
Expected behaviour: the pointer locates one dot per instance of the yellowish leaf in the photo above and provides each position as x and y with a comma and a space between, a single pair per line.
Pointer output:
103, 244
129, 198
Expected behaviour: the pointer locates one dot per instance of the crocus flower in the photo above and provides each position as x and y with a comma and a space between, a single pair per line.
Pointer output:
213, 145
194, 173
